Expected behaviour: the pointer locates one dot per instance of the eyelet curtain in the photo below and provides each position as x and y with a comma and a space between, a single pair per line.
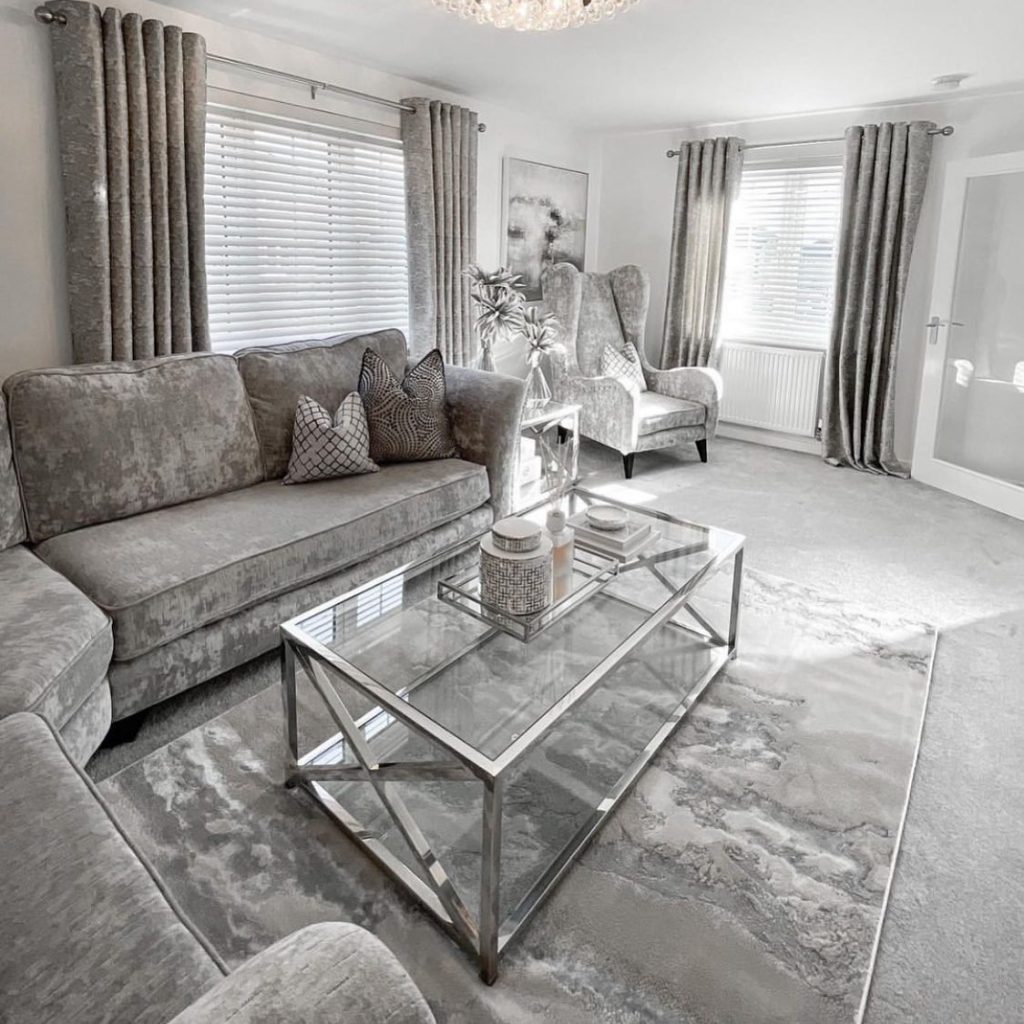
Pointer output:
885, 173
707, 183
440, 144
131, 108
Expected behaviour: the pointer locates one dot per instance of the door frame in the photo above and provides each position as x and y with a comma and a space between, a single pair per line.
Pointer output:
926, 467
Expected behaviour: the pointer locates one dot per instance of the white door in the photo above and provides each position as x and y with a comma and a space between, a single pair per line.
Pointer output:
970, 423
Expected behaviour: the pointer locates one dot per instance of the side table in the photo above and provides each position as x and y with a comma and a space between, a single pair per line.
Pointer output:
551, 434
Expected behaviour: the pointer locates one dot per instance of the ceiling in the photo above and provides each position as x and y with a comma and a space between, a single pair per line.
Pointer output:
665, 63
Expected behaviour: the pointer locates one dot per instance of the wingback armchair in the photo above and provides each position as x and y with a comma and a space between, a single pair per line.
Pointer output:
595, 310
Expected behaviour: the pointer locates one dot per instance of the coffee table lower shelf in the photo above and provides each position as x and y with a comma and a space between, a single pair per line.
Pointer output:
485, 939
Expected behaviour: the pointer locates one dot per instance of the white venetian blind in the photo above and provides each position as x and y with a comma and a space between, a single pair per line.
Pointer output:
780, 268
305, 230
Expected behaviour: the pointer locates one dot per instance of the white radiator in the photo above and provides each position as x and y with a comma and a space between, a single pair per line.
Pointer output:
772, 388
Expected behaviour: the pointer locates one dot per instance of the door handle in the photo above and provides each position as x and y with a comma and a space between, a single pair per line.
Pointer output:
935, 323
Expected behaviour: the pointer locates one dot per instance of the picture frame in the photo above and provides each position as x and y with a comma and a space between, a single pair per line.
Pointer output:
544, 219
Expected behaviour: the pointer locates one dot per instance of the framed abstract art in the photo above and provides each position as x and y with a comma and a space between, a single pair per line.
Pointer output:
545, 219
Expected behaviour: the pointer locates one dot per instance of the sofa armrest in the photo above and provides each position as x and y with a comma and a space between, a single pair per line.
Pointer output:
330, 973
486, 410
608, 411
694, 383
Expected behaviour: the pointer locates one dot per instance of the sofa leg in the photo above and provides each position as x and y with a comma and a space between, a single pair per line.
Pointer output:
627, 464
124, 730
702, 449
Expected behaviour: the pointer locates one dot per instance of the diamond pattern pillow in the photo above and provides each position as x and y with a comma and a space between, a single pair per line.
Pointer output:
624, 364
408, 419
323, 448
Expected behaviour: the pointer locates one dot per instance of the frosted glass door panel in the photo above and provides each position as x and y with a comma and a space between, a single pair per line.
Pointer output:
981, 412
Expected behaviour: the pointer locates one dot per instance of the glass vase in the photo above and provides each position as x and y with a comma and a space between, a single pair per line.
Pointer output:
485, 361
538, 391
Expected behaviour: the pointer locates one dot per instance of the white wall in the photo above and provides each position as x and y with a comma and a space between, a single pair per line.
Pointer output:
34, 325
638, 182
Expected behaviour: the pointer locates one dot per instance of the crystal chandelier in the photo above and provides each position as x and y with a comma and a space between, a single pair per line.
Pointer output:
535, 15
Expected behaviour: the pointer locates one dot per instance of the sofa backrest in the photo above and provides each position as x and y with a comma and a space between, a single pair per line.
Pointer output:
106, 441
12, 524
327, 370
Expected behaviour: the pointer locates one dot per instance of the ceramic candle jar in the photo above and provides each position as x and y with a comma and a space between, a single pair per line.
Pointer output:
515, 567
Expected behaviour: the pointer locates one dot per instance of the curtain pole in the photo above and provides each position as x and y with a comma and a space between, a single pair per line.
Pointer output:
47, 17
946, 130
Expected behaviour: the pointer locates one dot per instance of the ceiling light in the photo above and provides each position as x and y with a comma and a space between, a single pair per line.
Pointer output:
535, 15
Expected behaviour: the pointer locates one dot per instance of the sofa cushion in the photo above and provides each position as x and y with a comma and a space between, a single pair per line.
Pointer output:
55, 644
163, 574
88, 933
327, 370
12, 525
661, 412
326, 446
408, 418
103, 442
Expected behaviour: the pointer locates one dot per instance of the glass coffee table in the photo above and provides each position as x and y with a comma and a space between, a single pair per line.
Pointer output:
474, 766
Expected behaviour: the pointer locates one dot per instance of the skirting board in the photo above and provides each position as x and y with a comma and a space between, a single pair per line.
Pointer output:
772, 438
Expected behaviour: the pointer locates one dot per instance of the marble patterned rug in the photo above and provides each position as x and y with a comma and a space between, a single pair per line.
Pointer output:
743, 880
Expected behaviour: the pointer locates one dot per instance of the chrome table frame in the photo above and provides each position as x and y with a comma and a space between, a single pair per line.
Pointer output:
487, 938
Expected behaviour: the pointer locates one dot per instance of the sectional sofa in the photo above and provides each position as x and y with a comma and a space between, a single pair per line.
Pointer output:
147, 543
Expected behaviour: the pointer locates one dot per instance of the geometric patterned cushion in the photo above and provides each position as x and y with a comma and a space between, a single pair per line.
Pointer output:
624, 364
323, 448
408, 419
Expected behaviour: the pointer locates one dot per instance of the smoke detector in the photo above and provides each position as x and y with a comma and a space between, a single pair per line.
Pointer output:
947, 83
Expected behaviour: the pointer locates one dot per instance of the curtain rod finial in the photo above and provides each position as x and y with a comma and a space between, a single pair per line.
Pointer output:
47, 17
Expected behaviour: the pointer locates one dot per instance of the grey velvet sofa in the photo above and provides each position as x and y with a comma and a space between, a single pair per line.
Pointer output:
144, 524
89, 932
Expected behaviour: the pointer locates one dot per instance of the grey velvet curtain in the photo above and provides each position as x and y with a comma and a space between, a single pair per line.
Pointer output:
886, 169
707, 182
131, 105
440, 142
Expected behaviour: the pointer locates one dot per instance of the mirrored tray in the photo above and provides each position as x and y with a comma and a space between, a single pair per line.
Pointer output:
591, 572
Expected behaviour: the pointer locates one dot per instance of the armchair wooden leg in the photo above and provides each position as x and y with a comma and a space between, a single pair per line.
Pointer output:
702, 449
627, 464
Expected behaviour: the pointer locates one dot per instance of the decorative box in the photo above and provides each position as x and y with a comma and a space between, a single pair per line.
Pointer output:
515, 567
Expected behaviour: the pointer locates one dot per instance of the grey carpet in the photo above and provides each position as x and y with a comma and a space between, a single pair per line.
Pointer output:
948, 948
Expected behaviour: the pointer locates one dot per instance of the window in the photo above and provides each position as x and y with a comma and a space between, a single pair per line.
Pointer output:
305, 230
780, 270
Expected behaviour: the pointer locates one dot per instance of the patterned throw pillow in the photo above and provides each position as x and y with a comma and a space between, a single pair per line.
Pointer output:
408, 419
624, 364
323, 448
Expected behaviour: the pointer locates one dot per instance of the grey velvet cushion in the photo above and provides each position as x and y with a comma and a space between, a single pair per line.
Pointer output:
662, 412
162, 575
276, 377
329, 973
55, 644
102, 442
12, 525
87, 932
326, 446
408, 418
209, 650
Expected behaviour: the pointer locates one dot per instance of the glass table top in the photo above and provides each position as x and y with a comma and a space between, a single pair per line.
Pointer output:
494, 691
